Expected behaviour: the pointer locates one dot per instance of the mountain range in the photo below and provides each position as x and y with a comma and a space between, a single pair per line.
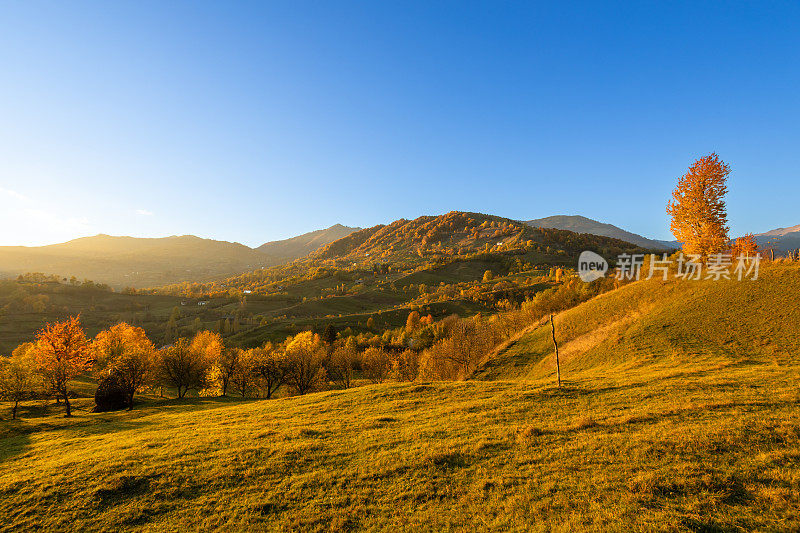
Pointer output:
147, 262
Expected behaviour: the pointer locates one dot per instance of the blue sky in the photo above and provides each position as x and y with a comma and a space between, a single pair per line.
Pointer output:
258, 121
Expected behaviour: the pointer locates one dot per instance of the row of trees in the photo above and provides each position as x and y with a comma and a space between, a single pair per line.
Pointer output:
126, 362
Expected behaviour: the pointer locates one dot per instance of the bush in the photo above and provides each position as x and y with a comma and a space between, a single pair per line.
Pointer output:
110, 395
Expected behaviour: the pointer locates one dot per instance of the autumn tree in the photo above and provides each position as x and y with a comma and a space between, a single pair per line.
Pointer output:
125, 352
17, 376
407, 365
242, 377
272, 367
226, 366
457, 354
61, 353
376, 364
697, 208
343, 362
412, 322
305, 358
329, 334
746, 246
183, 367
208, 344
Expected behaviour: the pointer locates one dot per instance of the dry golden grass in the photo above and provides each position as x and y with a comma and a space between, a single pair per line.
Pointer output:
718, 450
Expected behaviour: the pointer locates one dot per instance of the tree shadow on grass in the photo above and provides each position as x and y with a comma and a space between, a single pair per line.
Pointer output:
14, 445
48, 418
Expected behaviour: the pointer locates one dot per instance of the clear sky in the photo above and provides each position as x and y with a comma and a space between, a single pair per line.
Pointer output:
257, 121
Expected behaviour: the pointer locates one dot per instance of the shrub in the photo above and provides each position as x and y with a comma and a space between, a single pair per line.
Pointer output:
110, 395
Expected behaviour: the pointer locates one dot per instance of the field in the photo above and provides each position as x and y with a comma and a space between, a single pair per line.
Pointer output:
693, 426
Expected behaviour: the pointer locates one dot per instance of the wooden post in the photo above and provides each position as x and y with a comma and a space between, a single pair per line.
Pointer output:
558, 365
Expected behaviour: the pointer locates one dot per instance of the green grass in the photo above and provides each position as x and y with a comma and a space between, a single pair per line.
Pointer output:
679, 411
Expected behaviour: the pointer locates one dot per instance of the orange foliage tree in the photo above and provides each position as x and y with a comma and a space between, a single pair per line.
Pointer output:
697, 208
62, 352
126, 352
208, 345
305, 362
746, 245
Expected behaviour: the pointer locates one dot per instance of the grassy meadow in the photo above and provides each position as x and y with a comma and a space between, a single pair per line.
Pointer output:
679, 411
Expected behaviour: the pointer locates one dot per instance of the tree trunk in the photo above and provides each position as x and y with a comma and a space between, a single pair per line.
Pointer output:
558, 365
14, 410
67, 405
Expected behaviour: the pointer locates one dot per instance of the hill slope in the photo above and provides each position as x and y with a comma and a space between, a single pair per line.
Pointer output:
665, 326
580, 224
296, 247
456, 233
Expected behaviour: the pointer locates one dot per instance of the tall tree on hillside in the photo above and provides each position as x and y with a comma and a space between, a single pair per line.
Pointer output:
62, 353
342, 363
329, 334
697, 208
208, 345
226, 366
377, 364
412, 322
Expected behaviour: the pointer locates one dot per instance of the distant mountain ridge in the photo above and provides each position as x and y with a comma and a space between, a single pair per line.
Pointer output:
580, 224
781, 240
455, 233
780, 231
296, 247
466, 243
146, 262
